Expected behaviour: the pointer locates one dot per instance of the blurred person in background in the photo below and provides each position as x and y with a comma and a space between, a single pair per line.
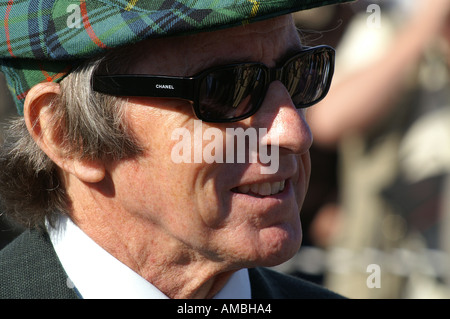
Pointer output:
386, 127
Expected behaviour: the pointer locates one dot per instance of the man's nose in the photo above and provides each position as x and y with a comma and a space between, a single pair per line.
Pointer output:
284, 122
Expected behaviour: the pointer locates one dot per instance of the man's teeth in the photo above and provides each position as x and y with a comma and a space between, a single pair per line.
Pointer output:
264, 189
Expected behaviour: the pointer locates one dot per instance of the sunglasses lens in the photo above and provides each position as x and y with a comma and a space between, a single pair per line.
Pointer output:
308, 77
231, 93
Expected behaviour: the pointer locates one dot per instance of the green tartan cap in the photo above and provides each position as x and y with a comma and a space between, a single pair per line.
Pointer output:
41, 40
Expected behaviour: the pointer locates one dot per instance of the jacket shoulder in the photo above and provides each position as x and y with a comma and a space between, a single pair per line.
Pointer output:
30, 269
269, 284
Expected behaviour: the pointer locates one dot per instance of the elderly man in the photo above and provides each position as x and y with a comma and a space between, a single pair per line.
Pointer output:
104, 87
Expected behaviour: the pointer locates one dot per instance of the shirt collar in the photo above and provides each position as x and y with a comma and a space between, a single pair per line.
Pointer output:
96, 274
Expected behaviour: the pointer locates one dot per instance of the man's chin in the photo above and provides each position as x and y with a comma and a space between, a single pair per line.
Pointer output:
280, 249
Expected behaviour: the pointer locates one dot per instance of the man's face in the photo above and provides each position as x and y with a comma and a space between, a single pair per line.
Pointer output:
204, 207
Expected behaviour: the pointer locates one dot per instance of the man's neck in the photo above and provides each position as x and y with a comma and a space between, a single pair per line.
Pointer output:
169, 265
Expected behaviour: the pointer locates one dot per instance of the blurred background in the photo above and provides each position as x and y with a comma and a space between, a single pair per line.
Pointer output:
376, 220
380, 185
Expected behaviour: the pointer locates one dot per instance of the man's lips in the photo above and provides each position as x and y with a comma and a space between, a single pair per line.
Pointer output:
257, 185
261, 189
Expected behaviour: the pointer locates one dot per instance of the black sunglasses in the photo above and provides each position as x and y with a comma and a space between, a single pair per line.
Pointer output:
232, 92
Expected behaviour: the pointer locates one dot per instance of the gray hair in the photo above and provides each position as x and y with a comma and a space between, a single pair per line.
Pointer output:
90, 126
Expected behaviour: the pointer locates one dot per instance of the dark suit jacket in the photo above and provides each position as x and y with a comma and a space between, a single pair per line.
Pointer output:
30, 268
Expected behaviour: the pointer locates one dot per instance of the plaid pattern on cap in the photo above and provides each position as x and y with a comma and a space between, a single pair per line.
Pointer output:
40, 40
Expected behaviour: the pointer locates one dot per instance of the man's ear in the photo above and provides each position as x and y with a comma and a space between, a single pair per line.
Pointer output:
38, 117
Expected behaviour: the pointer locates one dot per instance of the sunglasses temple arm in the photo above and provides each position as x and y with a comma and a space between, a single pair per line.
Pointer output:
150, 86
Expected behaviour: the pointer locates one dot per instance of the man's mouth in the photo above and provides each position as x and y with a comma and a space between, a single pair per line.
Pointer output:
261, 189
